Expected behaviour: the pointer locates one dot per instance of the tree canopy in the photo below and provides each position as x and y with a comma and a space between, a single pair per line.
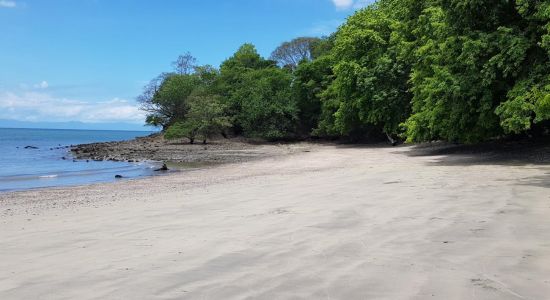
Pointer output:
290, 54
455, 70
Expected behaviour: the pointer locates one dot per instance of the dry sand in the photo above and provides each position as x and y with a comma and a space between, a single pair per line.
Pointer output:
333, 223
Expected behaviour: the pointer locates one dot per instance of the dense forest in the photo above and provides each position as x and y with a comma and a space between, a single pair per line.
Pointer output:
417, 70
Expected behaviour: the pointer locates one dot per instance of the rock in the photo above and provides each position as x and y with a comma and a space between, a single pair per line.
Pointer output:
163, 168
64, 158
31, 147
119, 176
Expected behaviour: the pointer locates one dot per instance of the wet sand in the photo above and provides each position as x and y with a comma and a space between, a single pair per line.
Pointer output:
334, 222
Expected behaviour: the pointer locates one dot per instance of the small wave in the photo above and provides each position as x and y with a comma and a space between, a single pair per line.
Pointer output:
48, 176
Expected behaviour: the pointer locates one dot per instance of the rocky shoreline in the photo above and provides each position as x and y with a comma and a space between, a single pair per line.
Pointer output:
156, 148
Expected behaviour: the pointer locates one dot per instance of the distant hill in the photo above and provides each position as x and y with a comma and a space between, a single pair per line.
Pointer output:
74, 125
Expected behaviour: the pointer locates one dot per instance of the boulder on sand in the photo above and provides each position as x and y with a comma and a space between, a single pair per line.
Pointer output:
163, 168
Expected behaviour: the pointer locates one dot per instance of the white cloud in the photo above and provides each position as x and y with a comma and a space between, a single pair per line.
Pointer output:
8, 4
343, 4
347, 4
40, 106
42, 85
323, 28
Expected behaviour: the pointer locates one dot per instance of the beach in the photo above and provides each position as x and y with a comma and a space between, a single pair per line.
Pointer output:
320, 222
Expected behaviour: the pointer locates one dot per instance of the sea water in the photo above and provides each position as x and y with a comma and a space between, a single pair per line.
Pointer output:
36, 158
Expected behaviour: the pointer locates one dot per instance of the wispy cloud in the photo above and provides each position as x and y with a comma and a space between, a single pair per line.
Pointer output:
41, 106
325, 28
42, 85
347, 4
7, 4
343, 4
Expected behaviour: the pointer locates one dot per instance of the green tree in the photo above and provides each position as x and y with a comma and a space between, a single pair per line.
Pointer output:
207, 114
267, 109
370, 91
182, 130
205, 118
455, 70
290, 54
258, 95
478, 70
311, 79
165, 99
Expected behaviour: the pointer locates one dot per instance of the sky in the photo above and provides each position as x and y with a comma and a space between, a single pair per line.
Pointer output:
88, 60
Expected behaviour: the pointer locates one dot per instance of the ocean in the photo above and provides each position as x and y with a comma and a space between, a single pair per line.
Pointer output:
33, 158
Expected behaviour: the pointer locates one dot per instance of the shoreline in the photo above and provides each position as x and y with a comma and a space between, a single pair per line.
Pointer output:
338, 221
45, 198
156, 148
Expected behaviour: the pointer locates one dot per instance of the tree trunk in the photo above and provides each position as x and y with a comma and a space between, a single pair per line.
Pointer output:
392, 141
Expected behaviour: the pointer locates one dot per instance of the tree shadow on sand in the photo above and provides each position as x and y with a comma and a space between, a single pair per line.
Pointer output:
511, 153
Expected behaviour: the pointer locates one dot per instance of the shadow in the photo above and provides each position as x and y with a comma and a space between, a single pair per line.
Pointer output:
538, 181
503, 152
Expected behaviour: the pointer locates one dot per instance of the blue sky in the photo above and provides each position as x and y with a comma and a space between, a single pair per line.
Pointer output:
87, 60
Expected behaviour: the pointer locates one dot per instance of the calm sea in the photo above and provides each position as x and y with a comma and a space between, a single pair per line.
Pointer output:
27, 168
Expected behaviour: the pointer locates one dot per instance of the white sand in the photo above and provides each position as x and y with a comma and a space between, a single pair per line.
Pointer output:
336, 223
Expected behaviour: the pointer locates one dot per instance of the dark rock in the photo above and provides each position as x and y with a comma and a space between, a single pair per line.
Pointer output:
163, 168
63, 158
31, 147
119, 176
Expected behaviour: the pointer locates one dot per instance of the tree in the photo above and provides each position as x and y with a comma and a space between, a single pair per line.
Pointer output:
185, 64
290, 54
311, 79
267, 109
180, 130
165, 98
208, 114
246, 58
454, 70
233, 77
206, 117
155, 113
480, 70
369, 93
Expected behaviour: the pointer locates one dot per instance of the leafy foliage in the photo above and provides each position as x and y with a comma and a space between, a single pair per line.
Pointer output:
206, 117
311, 79
455, 70
290, 54
165, 99
370, 77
